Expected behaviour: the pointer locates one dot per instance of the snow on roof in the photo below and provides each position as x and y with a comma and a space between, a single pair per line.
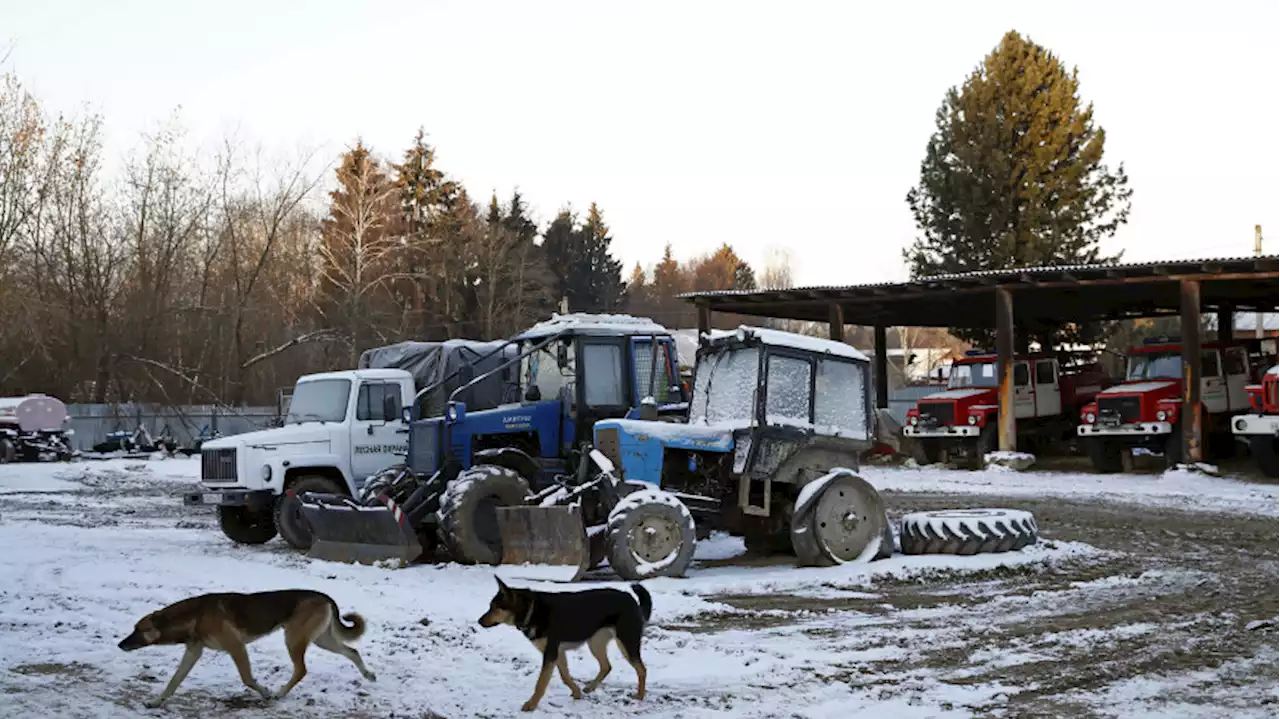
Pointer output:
795, 341
1274, 370
582, 323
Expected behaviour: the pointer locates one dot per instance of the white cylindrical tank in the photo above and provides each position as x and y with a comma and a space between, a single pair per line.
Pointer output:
34, 413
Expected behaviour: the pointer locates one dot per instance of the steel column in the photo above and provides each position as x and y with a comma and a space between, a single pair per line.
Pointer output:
1008, 423
882, 367
1191, 415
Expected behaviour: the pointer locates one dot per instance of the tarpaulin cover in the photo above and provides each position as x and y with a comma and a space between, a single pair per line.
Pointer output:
431, 363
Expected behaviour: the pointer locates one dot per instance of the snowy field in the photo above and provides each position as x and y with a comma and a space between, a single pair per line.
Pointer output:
1129, 606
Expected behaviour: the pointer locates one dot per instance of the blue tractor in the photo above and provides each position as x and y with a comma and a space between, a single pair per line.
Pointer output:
569, 373
777, 423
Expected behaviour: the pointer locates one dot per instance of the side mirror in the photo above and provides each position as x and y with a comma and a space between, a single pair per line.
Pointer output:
562, 355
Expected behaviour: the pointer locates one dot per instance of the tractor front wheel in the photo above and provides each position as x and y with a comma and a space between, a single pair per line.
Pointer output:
651, 534
839, 524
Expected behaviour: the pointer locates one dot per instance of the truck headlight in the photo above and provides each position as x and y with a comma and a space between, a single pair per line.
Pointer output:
1090, 417
1162, 415
973, 419
1241, 424
914, 421
266, 473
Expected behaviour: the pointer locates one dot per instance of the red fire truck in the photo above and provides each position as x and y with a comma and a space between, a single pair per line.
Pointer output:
1146, 409
1261, 428
1047, 397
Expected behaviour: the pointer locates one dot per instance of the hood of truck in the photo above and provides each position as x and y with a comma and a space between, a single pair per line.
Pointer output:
293, 434
1162, 387
965, 396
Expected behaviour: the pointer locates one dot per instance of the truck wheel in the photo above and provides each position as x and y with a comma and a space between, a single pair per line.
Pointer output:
1173, 447
967, 531
926, 452
1264, 451
290, 523
1104, 455
651, 534
468, 516
8, 452
988, 442
244, 526
839, 524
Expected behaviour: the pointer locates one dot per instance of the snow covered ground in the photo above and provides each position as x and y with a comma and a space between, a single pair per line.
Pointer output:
96, 545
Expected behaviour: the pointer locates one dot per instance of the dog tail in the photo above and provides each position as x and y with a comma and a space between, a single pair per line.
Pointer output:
646, 602
350, 627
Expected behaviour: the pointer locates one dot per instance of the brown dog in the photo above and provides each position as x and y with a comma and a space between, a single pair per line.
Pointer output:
228, 622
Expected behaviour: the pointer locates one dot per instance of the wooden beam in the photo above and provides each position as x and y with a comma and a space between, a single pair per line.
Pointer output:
1191, 415
704, 320
1008, 423
835, 322
882, 367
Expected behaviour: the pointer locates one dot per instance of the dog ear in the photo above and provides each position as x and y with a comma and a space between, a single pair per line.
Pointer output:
502, 585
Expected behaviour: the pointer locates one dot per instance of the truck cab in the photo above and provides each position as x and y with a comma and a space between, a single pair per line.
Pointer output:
963, 418
1146, 409
1260, 428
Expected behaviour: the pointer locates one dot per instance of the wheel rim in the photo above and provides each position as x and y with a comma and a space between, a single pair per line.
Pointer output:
654, 539
846, 519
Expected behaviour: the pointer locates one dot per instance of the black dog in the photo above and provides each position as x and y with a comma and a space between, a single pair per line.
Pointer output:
558, 621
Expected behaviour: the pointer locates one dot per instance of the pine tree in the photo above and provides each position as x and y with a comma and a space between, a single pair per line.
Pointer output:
421, 189
1014, 176
585, 271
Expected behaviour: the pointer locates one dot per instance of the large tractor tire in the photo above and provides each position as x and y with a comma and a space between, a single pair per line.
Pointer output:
1264, 451
245, 526
468, 516
836, 520
967, 531
651, 534
290, 523
1105, 455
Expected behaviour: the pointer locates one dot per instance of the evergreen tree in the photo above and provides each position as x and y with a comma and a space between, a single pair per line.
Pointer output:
1013, 175
585, 271
422, 189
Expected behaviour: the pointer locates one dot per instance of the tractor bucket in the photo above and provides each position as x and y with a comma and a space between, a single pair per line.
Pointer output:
543, 543
344, 530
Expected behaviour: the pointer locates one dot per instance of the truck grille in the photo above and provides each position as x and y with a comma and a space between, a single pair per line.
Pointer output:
424, 447
607, 443
1129, 409
938, 414
218, 465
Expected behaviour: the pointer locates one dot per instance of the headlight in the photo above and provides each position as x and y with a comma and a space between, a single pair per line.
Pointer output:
1241, 424
451, 413
1090, 417
1162, 415
266, 473
914, 421
741, 334
973, 419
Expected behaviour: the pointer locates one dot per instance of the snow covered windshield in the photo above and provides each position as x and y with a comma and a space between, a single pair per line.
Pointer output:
724, 387
1153, 365
972, 375
322, 400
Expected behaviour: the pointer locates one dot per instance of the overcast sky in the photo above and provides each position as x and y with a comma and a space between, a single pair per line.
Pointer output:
797, 125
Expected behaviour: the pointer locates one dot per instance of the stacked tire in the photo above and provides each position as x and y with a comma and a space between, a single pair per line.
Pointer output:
967, 531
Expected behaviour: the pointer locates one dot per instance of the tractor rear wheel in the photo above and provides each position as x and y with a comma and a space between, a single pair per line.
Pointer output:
468, 512
839, 524
290, 523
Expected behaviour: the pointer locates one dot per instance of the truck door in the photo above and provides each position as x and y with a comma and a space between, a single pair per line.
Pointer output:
1213, 386
1048, 392
1024, 394
1235, 365
653, 374
376, 442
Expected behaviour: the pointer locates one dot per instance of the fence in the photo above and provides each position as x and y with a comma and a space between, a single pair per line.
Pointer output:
93, 422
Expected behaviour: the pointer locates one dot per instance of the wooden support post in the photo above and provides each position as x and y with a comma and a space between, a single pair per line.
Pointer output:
881, 367
835, 322
1191, 416
704, 320
1226, 323
1008, 423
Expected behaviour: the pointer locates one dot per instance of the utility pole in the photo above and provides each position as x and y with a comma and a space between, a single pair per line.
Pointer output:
1257, 251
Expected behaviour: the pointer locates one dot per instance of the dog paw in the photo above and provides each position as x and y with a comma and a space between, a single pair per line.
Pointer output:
371, 676
638, 696
577, 693
529, 706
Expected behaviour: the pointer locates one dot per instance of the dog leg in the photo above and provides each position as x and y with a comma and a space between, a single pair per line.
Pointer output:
330, 643
562, 663
599, 646
184, 667
549, 655
297, 652
240, 656
633, 658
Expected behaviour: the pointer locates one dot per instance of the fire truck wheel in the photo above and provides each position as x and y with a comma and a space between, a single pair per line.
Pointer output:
1173, 447
1264, 451
967, 531
925, 452
1107, 457
987, 442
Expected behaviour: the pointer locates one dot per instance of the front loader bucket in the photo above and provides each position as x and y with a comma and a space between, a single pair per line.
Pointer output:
344, 530
544, 543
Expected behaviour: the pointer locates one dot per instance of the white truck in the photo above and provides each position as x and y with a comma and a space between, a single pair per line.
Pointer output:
341, 428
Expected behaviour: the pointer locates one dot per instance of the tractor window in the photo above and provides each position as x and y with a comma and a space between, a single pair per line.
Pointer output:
602, 371
788, 389
1021, 375
1044, 372
1209, 364
541, 371
646, 370
839, 398
725, 387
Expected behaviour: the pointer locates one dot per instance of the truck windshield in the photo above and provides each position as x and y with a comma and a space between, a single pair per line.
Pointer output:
724, 387
972, 375
321, 400
1153, 365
